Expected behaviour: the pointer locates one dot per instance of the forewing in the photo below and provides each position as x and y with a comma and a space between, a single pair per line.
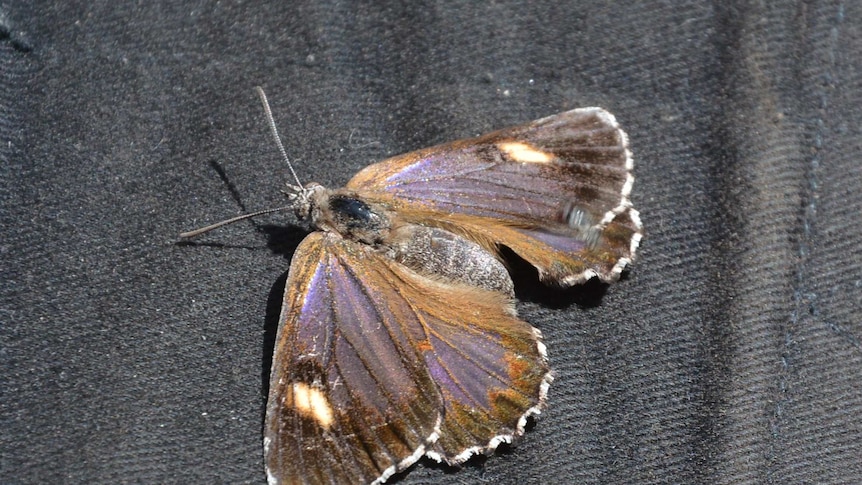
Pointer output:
555, 191
349, 399
371, 356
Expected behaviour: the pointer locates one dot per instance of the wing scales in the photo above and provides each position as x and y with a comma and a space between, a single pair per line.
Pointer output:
405, 361
530, 177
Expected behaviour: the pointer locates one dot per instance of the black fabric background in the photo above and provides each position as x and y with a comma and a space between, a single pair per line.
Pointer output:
730, 354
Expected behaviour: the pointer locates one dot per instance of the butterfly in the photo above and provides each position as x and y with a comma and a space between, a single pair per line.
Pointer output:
398, 336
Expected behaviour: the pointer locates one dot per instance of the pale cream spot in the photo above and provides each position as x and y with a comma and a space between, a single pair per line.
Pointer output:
311, 403
522, 152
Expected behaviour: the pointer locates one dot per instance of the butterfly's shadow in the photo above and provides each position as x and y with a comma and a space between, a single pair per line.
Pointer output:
529, 288
281, 240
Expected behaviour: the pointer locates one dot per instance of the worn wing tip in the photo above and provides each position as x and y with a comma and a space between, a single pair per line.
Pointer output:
598, 111
624, 207
497, 440
413, 458
520, 427
273, 477
626, 259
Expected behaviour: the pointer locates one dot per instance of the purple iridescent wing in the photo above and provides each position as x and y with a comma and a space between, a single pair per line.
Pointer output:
376, 366
555, 191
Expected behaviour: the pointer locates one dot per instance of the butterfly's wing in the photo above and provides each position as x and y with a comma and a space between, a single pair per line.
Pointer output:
555, 191
369, 358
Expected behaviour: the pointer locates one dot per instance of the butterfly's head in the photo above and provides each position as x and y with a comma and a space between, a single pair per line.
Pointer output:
307, 201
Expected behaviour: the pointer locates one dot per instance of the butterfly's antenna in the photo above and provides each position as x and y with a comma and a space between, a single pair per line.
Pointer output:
272, 127
198, 232
299, 187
